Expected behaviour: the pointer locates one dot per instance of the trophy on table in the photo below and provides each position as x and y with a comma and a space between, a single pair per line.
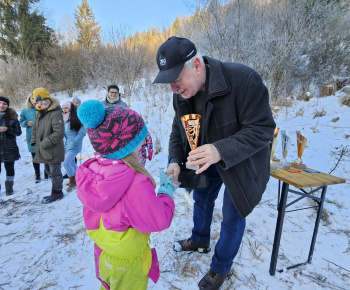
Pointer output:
273, 148
285, 147
301, 143
192, 125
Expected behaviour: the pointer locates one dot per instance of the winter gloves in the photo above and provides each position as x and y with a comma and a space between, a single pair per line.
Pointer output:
166, 186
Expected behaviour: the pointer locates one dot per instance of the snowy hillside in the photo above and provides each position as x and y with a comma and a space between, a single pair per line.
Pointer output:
46, 246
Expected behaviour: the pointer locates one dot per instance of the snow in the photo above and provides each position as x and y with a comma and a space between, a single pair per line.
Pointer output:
46, 246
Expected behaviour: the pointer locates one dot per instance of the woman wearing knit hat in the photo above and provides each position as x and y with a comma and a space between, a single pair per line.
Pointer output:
76, 102
26, 120
9, 153
74, 133
121, 207
47, 138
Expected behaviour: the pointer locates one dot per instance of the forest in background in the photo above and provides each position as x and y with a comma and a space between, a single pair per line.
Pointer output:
301, 48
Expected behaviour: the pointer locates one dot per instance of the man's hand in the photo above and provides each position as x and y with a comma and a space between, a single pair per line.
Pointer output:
173, 171
205, 155
30, 123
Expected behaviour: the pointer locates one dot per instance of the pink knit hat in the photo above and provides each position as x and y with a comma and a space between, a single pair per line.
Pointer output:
115, 132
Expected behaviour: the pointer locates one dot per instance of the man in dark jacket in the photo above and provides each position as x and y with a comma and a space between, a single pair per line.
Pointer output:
47, 138
236, 127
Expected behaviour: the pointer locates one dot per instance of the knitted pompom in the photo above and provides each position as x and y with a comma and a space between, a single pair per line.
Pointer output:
91, 113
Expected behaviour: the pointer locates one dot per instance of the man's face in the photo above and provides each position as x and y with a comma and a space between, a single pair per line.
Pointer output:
113, 94
188, 82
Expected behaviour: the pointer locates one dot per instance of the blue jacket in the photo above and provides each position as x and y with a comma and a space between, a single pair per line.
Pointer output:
73, 141
28, 114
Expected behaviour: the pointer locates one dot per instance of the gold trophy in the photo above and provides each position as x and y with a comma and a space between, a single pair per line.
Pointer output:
192, 125
301, 143
273, 148
285, 147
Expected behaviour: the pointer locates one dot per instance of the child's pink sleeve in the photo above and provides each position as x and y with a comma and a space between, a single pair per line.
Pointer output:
147, 212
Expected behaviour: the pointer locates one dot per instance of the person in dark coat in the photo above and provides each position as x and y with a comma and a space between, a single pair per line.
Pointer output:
26, 120
47, 138
236, 127
9, 153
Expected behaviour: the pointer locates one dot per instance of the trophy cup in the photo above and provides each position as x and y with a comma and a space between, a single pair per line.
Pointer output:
301, 143
273, 148
285, 147
192, 125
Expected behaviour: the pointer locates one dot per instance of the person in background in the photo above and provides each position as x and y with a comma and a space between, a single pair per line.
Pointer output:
9, 153
233, 149
113, 98
26, 120
76, 102
47, 138
74, 133
121, 207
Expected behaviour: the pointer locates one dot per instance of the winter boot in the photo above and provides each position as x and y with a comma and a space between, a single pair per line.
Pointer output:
9, 187
37, 176
51, 198
189, 245
213, 281
65, 176
72, 184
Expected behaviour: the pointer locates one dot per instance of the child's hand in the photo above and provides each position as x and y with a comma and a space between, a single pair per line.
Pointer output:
166, 186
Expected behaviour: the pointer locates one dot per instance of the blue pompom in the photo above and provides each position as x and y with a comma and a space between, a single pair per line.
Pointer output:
91, 113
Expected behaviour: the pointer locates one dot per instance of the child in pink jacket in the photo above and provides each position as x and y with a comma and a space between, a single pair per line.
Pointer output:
121, 207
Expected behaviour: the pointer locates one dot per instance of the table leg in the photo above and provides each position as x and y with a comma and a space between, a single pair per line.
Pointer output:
279, 226
317, 223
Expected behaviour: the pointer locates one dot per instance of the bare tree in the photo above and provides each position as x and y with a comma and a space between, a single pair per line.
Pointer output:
19, 77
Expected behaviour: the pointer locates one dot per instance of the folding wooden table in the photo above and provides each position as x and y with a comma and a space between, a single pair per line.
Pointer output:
301, 181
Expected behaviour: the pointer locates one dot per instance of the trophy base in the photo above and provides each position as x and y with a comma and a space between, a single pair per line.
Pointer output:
193, 167
273, 167
284, 167
299, 166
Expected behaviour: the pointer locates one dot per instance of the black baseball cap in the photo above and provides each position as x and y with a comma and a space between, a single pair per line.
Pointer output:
171, 57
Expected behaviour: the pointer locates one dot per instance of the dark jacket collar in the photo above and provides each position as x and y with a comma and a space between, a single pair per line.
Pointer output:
218, 84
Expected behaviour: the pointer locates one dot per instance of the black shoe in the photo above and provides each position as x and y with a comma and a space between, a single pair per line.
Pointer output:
213, 281
65, 176
37, 180
52, 198
189, 245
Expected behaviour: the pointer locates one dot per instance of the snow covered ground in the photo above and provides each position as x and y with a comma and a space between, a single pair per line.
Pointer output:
46, 246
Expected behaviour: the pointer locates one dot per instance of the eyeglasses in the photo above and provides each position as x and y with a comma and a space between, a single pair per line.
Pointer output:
43, 100
113, 92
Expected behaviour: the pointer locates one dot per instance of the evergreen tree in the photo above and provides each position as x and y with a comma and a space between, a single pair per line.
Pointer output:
23, 31
88, 31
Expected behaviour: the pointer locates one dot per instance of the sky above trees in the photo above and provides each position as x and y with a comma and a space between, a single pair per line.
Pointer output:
138, 14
